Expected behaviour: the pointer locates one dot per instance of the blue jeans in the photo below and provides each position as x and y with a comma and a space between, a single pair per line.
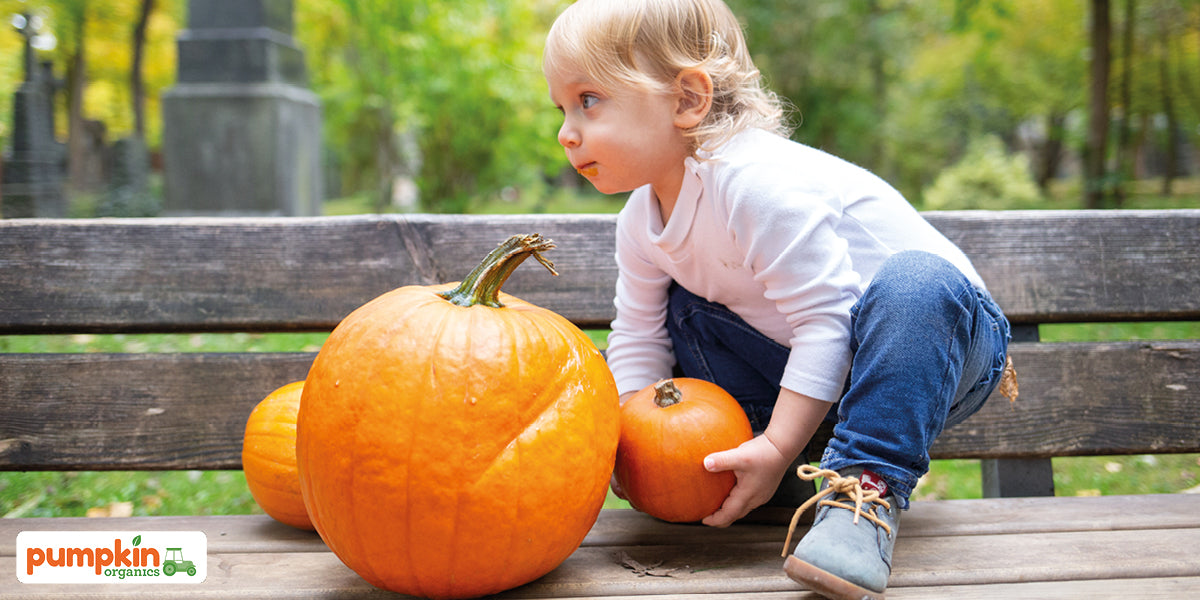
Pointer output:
928, 349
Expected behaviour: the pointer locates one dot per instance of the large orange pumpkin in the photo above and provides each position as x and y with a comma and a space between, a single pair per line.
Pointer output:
269, 456
455, 441
666, 431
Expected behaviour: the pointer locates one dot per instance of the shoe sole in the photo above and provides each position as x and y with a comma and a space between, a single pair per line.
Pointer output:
825, 583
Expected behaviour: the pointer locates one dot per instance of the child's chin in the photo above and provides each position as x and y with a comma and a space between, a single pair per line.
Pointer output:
608, 188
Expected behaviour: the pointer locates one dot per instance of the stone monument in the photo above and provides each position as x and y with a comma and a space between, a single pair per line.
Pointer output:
34, 168
241, 130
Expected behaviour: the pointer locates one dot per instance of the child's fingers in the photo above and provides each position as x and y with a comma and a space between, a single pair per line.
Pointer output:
726, 515
726, 460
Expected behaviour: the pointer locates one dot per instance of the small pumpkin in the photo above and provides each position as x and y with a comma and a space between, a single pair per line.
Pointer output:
455, 441
666, 431
269, 456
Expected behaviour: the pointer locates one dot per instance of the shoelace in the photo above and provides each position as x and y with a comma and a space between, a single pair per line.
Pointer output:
843, 486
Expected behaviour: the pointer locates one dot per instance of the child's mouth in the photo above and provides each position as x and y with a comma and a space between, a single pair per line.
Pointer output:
589, 170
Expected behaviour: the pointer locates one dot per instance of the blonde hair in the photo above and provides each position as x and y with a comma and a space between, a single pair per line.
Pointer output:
647, 43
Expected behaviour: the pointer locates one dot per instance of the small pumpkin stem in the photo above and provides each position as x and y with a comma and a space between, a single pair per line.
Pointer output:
482, 285
666, 393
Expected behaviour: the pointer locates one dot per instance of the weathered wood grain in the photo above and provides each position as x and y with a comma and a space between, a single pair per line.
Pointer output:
749, 567
1081, 399
1021, 548
188, 411
134, 411
1062, 266
182, 411
274, 274
241, 534
306, 274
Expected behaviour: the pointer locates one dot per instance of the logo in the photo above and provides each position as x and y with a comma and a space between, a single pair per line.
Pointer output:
112, 557
872, 481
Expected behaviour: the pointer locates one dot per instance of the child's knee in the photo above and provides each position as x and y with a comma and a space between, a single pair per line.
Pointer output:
918, 268
917, 281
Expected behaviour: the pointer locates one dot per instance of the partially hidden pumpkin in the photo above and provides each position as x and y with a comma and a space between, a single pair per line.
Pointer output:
666, 431
269, 456
456, 441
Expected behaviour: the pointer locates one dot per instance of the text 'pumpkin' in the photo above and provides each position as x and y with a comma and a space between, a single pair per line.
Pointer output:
666, 431
455, 441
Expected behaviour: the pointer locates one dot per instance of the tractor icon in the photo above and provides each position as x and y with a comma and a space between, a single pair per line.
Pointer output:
174, 562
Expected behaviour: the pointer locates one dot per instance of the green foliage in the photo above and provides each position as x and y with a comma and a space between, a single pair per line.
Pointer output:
450, 93
986, 178
834, 62
451, 96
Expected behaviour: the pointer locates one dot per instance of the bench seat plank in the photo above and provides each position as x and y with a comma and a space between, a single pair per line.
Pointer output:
931, 554
741, 568
625, 527
165, 411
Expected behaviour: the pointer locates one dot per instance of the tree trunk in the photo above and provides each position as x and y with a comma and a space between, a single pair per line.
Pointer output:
77, 136
1168, 106
1050, 156
1124, 153
1097, 136
878, 78
136, 84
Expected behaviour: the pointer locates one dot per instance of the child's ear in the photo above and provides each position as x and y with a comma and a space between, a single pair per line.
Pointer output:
695, 89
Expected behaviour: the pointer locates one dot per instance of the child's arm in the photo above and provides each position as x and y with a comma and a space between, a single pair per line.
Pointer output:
761, 463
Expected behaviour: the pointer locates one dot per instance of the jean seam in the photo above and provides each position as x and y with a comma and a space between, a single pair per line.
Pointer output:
963, 312
693, 345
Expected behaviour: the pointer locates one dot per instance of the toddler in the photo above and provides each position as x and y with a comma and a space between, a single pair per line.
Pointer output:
804, 285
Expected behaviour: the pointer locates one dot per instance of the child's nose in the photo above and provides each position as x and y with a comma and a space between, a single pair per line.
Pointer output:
568, 136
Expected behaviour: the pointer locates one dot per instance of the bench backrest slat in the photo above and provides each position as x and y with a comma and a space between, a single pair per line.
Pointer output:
1073, 266
269, 274
188, 411
306, 274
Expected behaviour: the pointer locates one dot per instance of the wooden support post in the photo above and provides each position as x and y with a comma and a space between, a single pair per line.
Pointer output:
1017, 477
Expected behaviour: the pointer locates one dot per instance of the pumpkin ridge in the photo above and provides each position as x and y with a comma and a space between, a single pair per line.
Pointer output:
532, 410
525, 426
446, 316
552, 391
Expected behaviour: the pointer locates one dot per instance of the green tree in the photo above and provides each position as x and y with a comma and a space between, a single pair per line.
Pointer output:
836, 63
1002, 67
462, 80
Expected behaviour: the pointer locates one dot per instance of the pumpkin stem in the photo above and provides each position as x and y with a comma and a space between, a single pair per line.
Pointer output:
482, 285
666, 393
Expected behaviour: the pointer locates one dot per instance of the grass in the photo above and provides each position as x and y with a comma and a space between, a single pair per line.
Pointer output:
125, 493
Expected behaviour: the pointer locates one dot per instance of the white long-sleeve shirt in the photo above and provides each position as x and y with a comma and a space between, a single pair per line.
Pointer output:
784, 235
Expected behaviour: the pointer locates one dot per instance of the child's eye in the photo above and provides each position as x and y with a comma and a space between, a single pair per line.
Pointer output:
588, 100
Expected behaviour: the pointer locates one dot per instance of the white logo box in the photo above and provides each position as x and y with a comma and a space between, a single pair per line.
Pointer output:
137, 557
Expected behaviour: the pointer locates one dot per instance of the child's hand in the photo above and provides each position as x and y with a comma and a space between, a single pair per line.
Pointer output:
759, 467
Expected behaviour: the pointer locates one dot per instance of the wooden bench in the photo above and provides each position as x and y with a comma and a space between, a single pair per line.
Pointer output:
188, 411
